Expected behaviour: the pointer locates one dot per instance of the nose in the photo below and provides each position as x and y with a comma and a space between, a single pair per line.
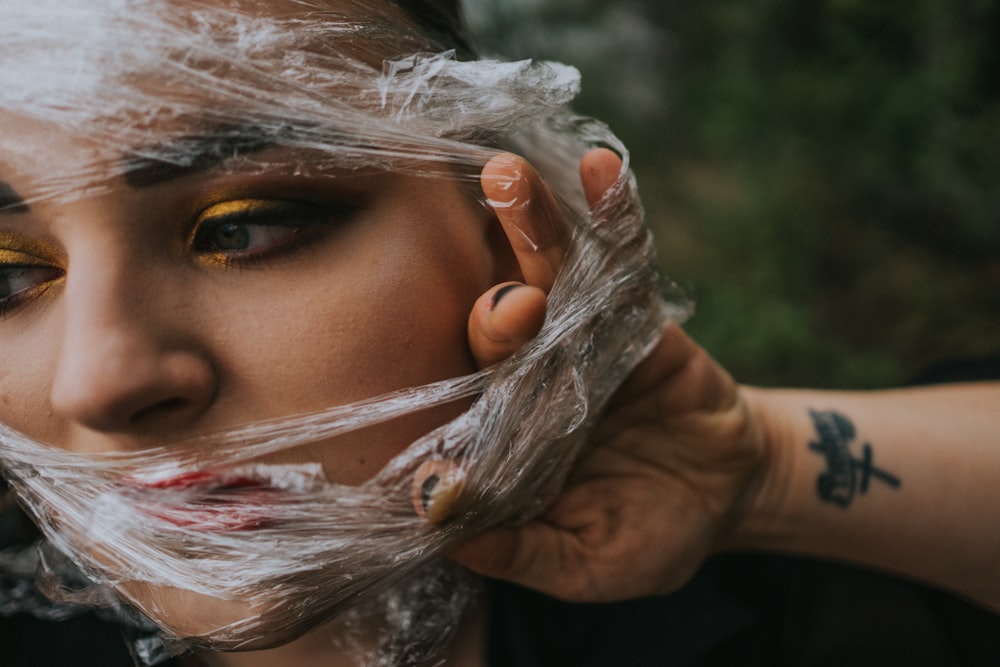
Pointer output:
126, 364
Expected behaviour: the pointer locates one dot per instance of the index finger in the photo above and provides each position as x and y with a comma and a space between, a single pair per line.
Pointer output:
530, 217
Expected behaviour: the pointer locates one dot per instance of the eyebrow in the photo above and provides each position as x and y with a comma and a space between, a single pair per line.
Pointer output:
194, 153
10, 201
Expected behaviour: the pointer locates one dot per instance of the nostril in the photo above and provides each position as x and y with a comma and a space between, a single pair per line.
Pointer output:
163, 407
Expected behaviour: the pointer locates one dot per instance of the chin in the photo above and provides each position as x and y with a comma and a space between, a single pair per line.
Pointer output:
206, 622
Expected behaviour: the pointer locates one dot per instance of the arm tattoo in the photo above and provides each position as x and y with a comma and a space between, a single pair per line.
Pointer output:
845, 475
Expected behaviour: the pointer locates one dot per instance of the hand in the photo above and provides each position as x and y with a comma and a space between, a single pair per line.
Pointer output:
684, 462
671, 465
510, 314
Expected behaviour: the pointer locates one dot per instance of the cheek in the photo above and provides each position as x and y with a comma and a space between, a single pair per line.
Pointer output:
27, 365
396, 318
350, 335
413, 310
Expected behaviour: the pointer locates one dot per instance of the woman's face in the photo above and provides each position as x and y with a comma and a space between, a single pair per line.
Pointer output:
168, 303
177, 302
174, 303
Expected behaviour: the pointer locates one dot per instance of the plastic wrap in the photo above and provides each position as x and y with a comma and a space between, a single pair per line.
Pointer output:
277, 548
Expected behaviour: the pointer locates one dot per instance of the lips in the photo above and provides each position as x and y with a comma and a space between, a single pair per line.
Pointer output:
243, 499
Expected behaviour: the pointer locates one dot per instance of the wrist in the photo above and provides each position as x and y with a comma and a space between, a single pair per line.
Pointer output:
762, 515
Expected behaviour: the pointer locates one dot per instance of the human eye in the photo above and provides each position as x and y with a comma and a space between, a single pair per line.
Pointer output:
248, 230
23, 277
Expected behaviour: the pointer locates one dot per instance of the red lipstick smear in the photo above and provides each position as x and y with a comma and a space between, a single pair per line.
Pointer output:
237, 500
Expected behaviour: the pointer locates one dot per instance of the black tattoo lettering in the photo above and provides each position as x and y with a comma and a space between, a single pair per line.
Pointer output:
845, 475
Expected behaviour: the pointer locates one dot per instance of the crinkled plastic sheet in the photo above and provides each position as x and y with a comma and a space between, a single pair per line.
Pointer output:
336, 87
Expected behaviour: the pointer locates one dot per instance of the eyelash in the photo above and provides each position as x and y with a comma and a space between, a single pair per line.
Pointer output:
10, 303
294, 223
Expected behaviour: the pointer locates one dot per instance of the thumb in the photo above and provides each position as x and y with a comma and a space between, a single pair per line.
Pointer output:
497, 329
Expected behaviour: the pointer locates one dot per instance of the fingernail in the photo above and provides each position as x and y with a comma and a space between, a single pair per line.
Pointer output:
614, 149
427, 491
440, 494
501, 293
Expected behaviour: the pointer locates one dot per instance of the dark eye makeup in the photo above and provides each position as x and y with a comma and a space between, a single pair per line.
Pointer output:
20, 283
238, 229
28, 267
251, 231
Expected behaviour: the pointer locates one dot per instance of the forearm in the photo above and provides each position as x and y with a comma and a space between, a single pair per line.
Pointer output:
913, 489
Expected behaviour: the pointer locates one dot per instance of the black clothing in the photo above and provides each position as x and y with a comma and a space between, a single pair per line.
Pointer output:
752, 611
742, 610
83, 641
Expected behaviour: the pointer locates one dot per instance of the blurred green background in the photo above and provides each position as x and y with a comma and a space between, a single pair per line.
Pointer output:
823, 176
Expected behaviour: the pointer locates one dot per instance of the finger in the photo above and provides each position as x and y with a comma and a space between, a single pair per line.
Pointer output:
600, 169
496, 332
436, 489
529, 215
504, 319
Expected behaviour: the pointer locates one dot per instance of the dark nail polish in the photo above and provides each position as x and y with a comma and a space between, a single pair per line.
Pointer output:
501, 293
615, 150
427, 490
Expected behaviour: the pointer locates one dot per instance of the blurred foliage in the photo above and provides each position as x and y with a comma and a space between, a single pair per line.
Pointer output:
823, 176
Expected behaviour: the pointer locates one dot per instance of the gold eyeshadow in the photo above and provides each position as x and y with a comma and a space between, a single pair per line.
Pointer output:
21, 249
244, 211
239, 207
291, 224
218, 259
